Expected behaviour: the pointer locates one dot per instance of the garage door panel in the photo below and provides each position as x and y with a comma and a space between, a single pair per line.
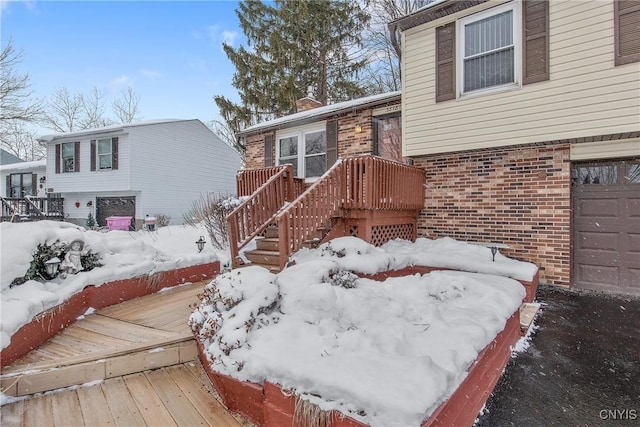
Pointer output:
606, 207
597, 274
598, 241
633, 243
633, 208
606, 226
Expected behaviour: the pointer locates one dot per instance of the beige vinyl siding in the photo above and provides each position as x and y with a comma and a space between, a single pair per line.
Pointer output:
605, 149
585, 96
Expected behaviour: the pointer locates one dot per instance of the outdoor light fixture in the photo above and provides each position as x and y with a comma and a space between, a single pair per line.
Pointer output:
358, 129
52, 266
200, 243
494, 250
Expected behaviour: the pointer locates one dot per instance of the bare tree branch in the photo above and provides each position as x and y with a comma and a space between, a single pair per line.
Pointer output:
16, 103
126, 107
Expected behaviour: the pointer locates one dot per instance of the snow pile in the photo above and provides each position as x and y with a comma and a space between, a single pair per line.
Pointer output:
123, 255
386, 353
349, 253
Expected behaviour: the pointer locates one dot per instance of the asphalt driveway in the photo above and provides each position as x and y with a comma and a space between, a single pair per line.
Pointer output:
582, 367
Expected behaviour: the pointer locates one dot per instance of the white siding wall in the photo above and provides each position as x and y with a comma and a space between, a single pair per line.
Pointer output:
174, 163
585, 96
87, 180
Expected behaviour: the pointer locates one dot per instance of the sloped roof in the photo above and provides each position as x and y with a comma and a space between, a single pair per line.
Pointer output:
6, 158
112, 128
321, 113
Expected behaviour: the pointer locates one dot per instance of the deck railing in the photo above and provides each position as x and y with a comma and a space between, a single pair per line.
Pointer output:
18, 209
365, 182
254, 215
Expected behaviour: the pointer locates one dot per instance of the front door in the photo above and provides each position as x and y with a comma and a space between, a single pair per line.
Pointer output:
606, 226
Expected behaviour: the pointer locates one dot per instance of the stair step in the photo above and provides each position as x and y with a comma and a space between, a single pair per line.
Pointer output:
267, 244
271, 233
263, 257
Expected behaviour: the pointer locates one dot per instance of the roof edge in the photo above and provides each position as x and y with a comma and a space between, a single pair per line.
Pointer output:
321, 113
431, 12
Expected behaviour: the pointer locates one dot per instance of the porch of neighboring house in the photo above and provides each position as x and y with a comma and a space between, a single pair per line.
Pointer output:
25, 209
369, 197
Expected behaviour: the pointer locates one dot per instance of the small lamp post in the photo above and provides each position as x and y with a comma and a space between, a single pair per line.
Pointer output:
494, 250
52, 266
200, 243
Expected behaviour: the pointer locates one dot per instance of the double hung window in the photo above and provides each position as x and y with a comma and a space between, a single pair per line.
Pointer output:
305, 149
489, 49
68, 156
105, 153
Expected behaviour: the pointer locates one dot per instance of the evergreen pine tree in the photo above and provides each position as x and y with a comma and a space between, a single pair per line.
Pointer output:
293, 45
91, 222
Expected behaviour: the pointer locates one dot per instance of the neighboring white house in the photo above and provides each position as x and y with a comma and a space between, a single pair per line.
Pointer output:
23, 179
138, 169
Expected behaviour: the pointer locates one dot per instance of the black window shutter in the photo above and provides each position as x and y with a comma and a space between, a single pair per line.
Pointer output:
332, 142
8, 193
34, 184
626, 19
93, 154
446, 62
58, 158
535, 51
76, 160
268, 150
114, 153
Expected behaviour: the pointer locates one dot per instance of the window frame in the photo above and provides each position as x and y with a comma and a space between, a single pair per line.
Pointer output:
63, 168
300, 133
516, 8
109, 154
22, 185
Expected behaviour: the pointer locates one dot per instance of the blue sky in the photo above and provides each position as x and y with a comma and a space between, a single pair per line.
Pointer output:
170, 52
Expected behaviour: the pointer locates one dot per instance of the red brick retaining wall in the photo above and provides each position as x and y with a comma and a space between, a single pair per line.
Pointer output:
267, 405
53, 321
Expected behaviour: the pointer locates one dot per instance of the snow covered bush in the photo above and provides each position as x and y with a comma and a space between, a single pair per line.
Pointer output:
44, 252
211, 211
232, 306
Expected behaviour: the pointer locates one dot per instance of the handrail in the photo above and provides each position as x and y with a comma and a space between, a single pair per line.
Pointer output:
363, 182
249, 180
257, 212
32, 208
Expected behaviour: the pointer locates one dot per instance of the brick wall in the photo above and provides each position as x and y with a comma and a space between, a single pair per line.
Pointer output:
350, 142
254, 155
520, 196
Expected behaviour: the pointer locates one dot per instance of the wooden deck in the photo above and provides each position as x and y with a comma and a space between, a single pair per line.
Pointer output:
138, 361
179, 395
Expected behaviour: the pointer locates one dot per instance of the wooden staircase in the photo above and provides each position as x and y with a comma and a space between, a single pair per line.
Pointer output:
267, 252
364, 196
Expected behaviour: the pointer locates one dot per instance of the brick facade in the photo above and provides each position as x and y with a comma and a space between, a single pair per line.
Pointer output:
254, 153
520, 196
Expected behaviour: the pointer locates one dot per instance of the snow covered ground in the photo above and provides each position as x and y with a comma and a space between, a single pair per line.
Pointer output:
123, 255
386, 353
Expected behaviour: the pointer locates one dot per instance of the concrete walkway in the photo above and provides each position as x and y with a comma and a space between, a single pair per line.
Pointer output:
582, 368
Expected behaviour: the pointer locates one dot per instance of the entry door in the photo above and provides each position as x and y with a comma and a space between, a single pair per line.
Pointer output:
606, 226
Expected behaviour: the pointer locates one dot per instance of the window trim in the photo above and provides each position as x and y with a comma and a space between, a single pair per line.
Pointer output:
63, 166
109, 154
300, 133
516, 8
31, 187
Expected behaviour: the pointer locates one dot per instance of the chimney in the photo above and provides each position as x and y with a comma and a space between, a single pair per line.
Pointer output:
308, 102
